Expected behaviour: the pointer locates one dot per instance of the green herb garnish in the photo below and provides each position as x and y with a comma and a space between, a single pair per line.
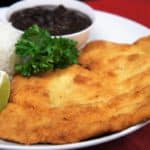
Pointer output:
39, 52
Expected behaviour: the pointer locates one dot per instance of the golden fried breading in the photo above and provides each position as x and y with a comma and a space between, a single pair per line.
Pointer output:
73, 85
117, 64
107, 92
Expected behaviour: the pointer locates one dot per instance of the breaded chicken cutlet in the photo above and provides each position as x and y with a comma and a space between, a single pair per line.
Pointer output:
107, 92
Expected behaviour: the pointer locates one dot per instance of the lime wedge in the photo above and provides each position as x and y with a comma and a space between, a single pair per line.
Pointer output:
4, 89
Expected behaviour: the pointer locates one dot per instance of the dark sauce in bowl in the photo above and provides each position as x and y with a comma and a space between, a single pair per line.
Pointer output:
58, 20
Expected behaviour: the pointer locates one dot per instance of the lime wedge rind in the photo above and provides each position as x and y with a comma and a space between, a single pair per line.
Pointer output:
4, 89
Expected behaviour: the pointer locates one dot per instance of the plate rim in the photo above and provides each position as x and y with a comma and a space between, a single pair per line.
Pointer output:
123, 17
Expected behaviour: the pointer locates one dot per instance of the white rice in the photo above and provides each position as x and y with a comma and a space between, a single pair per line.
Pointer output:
8, 38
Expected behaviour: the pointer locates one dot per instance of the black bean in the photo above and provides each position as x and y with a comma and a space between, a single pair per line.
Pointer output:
57, 20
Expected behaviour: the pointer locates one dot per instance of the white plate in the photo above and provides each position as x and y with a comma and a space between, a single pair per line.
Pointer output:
107, 27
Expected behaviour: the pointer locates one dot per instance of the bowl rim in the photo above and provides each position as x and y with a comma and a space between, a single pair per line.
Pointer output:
33, 3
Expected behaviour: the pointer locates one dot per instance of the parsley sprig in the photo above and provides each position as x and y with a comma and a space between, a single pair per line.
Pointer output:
40, 52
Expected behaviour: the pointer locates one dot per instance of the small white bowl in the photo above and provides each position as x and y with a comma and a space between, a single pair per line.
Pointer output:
81, 37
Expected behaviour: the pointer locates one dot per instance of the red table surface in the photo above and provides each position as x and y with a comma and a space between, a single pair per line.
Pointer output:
137, 10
